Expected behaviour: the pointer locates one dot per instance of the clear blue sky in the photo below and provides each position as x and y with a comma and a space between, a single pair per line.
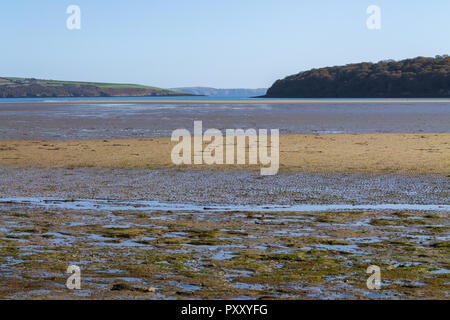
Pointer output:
219, 43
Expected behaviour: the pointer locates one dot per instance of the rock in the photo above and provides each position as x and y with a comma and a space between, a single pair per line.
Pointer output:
122, 287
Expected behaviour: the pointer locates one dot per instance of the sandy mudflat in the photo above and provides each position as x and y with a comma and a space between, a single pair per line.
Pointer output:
422, 153
226, 188
56, 121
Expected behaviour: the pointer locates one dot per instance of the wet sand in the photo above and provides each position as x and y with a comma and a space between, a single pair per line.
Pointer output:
332, 153
226, 188
46, 121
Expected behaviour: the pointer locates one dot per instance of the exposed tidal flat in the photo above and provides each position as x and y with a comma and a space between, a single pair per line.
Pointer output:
409, 153
182, 234
214, 187
93, 120
94, 186
205, 254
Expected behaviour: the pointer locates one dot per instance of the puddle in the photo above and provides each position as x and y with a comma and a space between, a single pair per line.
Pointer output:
111, 242
111, 271
441, 271
248, 286
186, 287
222, 255
351, 248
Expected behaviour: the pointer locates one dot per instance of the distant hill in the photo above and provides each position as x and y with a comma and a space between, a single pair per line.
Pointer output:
206, 91
34, 88
412, 78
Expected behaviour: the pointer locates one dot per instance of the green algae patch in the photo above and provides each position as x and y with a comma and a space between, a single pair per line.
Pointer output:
223, 255
285, 257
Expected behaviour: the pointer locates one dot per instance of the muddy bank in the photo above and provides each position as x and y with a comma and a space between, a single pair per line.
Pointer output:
216, 187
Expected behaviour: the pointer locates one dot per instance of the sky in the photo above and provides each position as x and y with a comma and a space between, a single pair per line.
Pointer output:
216, 43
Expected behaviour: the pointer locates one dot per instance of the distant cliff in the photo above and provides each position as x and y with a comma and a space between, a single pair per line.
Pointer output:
412, 78
33, 88
213, 92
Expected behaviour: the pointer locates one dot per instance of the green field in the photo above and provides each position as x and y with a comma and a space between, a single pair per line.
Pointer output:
24, 83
